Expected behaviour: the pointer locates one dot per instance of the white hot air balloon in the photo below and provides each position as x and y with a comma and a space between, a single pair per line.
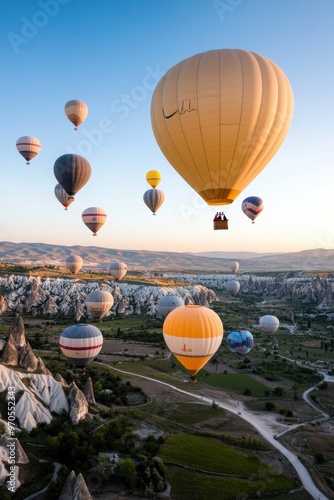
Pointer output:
234, 266
269, 324
118, 270
99, 302
232, 287
168, 303
74, 263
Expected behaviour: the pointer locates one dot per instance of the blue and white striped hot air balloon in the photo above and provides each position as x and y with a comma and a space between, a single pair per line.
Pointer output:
81, 343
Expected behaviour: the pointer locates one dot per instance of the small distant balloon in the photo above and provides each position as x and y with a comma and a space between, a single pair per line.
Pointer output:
76, 111
232, 287
118, 270
94, 218
252, 207
81, 343
168, 303
74, 263
62, 196
153, 177
240, 341
28, 146
99, 302
269, 324
234, 267
154, 198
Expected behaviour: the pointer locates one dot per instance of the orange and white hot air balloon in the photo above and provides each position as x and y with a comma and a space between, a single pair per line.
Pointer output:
193, 334
219, 117
94, 218
76, 111
28, 146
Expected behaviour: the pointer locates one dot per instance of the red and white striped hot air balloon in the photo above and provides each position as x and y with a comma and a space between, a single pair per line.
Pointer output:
94, 218
81, 343
28, 146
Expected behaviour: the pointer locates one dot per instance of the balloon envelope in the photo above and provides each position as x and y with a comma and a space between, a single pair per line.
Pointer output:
193, 334
240, 341
118, 270
234, 267
74, 263
99, 302
81, 343
153, 177
94, 218
232, 287
72, 172
252, 207
28, 146
62, 196
76, 111
269, 324
168, 303
219, 117
154, 198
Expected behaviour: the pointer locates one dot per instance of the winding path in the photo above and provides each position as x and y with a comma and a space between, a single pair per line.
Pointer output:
260, 423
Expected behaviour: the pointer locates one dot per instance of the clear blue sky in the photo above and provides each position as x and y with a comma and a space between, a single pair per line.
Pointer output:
111, 55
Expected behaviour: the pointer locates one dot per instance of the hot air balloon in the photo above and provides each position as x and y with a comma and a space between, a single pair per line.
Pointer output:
168, 303
154, 198
153, 177
72, 172
252, 207
28, 147
232, 287
74, 263
234, 266
240, 341
99, 302
118, 270
76, 111
219, 117
62, 196
81, 343
193, 334
269, 324
94, 218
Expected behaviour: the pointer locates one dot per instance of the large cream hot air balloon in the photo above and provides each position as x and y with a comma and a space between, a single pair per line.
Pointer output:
99, 302
219, 117
76, 111
193, 334
28, 146
94, 218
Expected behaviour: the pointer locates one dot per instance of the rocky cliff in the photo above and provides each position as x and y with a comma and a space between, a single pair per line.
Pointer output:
66, 297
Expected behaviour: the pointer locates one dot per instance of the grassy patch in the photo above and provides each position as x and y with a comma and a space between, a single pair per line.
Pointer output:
236, 382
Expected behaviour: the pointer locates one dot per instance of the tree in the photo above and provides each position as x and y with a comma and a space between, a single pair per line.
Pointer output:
269, 406
126, 471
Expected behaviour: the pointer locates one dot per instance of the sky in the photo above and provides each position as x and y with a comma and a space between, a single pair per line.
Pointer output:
111, 54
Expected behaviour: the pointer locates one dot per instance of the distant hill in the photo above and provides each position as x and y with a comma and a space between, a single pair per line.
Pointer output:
40, 253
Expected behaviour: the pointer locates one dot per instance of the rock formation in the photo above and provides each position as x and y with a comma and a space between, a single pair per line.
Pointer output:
9, 353
78, 403
75, 488
18, 331
89, 392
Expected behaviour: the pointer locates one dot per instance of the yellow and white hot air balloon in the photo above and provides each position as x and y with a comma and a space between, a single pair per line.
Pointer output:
219, 117
193, 334
153, 177
76, 111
